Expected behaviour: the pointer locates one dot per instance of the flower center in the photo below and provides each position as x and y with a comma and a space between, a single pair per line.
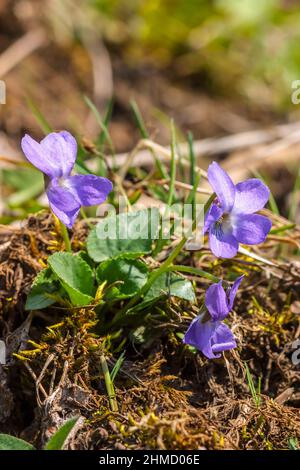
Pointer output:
223, 224
63, 183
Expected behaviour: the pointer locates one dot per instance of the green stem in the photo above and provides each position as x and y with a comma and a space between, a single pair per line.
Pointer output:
109, 384
160, 241
192, 169
195, 271
65, 235
85, 218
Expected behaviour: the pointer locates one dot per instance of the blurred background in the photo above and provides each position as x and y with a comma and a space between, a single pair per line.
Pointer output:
218, 67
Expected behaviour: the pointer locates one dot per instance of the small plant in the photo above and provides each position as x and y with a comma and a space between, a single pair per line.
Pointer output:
207, 332
255, 391
111, 274
56, 442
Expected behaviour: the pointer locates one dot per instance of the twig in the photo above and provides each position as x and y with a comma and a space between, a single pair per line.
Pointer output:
214, 146
20, 49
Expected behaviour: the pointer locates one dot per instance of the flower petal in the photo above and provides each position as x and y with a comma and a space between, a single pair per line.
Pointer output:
63, 203
222, 339
55, 155
222, 185
38, 156
216, 301
233, 290
199, 335
222, 243
251, 196
213, 214
251, 229
61, 148
90, 190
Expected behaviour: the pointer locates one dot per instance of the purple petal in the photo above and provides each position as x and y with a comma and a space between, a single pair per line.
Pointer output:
222, 339
63, 203
37, 155
199, 335
251, 229
61, 148
90, 190
55, 155
213, 214
216, 301
251, 196
193, 332
222, 243
222, 185
233, 290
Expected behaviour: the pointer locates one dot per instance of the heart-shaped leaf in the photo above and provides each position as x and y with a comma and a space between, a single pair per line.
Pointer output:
75, 276
127, 275
129, 234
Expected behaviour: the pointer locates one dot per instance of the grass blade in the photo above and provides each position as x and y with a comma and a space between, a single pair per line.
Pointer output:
145, 135
294, 203
272, 201
117, 366
255, 393
41, 120
102, 125
139, 119
106, 121
172, 165
58, 440
192, 170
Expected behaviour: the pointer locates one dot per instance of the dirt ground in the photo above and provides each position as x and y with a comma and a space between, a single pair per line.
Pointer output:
168, 398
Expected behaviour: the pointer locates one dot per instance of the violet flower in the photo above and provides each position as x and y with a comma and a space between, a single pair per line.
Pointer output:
210, 335
231, 218
55, 156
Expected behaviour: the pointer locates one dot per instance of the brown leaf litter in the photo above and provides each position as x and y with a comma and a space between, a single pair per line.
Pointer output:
168, 397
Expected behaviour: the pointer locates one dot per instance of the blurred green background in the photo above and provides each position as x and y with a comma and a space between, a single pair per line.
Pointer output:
245, 48
218, 67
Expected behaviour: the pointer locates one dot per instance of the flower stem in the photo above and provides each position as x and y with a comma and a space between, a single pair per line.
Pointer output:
109, 384
65, 235
85, 218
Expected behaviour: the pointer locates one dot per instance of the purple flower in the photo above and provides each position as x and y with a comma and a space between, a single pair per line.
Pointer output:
55, 156
211, 335
231, 219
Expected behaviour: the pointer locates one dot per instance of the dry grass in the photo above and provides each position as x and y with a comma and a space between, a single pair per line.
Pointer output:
168, 397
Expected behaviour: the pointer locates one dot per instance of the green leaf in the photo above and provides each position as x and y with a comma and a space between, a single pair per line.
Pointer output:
58, 440
13, 443
293, 443
75, 276
43, 285
173, 285
128, 274
128, 234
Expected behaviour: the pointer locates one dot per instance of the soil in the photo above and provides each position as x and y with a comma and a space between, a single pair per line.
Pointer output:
168, 397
